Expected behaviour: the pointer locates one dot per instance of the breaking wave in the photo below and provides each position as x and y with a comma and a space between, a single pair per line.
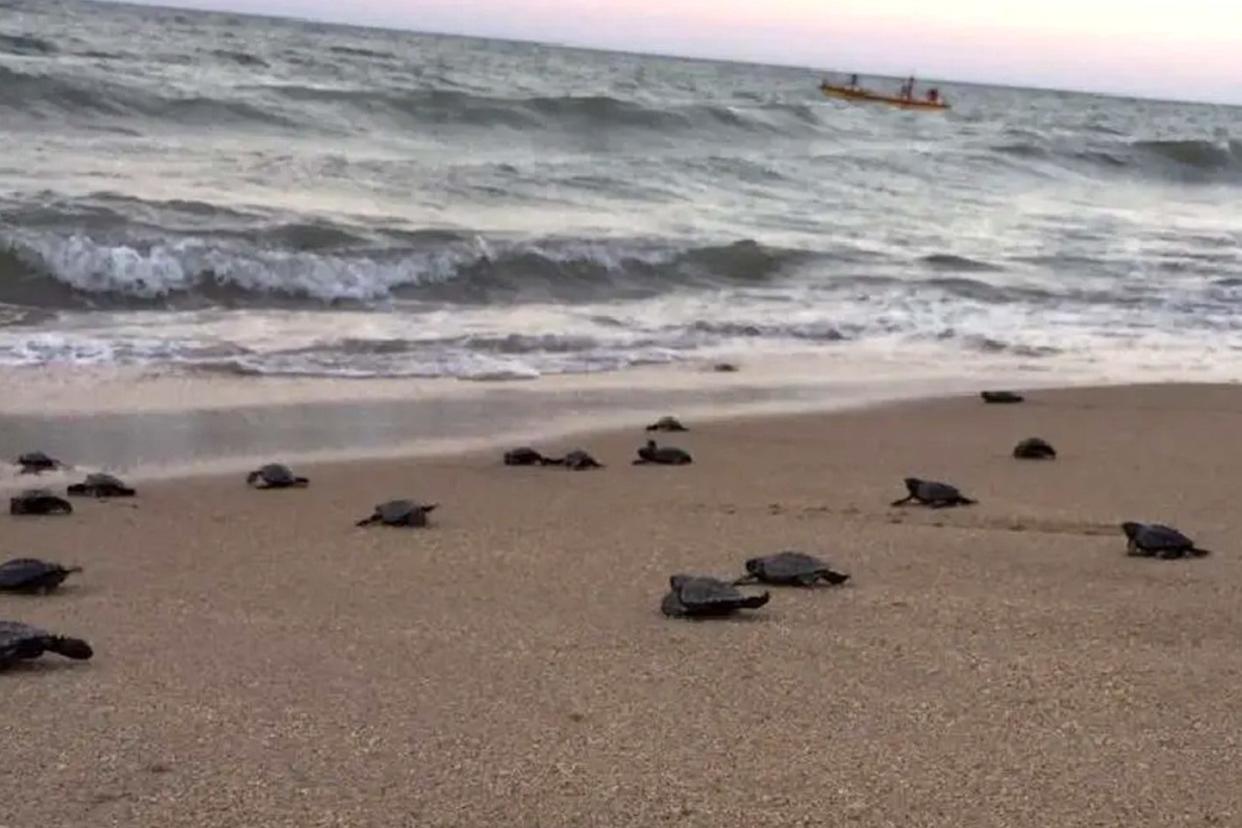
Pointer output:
318, 264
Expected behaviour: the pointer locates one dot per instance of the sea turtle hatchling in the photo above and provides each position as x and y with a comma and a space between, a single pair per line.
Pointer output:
101, 485
275, 476
667, 424
36, 462
791, 569
932, 493
1034, 448
19, 642
525, 456
576, 460
400, 513
696, 596
33, 575
1001, 397
662, 455
39, 502
1155, 540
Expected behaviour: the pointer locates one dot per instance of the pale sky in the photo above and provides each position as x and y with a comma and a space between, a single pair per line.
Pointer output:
1163, 48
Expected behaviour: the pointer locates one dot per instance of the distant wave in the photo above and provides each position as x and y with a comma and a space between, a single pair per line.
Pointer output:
239, 57
26, 45
78, 99
1187, 159
296, 105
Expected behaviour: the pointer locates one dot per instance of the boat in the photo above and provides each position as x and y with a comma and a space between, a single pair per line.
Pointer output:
857, 93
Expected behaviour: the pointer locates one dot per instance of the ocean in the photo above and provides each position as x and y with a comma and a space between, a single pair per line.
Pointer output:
184, 191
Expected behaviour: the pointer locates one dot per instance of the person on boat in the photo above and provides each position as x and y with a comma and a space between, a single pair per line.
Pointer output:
907, 89
933, 96
853, 84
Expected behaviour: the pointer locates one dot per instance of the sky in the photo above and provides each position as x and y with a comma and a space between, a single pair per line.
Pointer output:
1158, 48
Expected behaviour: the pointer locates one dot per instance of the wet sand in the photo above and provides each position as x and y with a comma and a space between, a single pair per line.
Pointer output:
260, 661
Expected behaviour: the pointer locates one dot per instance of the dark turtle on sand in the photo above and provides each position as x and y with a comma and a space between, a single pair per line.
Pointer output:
19, 642
525, 456
1001, 397
101, 485
695, 596
1034, 448
1155, 540
791, 569
36, 462
400, 513
724, 368
275, 476
576, 460
33, 575
667, 424
932, 493
662, 455
39, 502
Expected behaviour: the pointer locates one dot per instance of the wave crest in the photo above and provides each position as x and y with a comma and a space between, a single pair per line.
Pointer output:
72, 271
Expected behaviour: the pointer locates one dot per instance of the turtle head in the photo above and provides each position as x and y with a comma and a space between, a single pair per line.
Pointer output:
1131, 528
754, 565
253, 476
913, 483
677, 581
651, 445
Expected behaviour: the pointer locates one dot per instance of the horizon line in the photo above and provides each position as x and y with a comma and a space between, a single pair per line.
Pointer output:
396, 29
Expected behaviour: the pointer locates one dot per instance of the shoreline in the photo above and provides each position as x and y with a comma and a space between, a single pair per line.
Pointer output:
151, 426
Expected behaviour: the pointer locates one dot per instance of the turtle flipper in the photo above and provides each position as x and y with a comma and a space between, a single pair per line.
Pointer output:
903, 501
748, 578
74, 648
367, 521
755, 601
301, 481
834, 578
77, 489
1196, 552
672, 606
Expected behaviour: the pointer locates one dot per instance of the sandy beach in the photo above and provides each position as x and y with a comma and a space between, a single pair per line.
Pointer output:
261, 661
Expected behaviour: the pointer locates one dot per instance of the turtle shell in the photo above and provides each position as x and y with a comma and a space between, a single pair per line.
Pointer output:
23, 574
792, 568
691, 595
403, 513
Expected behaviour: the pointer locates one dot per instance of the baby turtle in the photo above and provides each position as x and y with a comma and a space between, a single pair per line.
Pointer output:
275, 476
576, 460
36, 462
101, 485
525, 456
695, 596
662, 455
667, 424
33, 575
790, 569
1034, 448
39, 502
1001, 397
19, 642
933, 494
724, 368
1155, 540
400, 513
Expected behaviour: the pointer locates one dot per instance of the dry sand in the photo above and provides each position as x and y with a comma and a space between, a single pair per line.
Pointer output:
260, 662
